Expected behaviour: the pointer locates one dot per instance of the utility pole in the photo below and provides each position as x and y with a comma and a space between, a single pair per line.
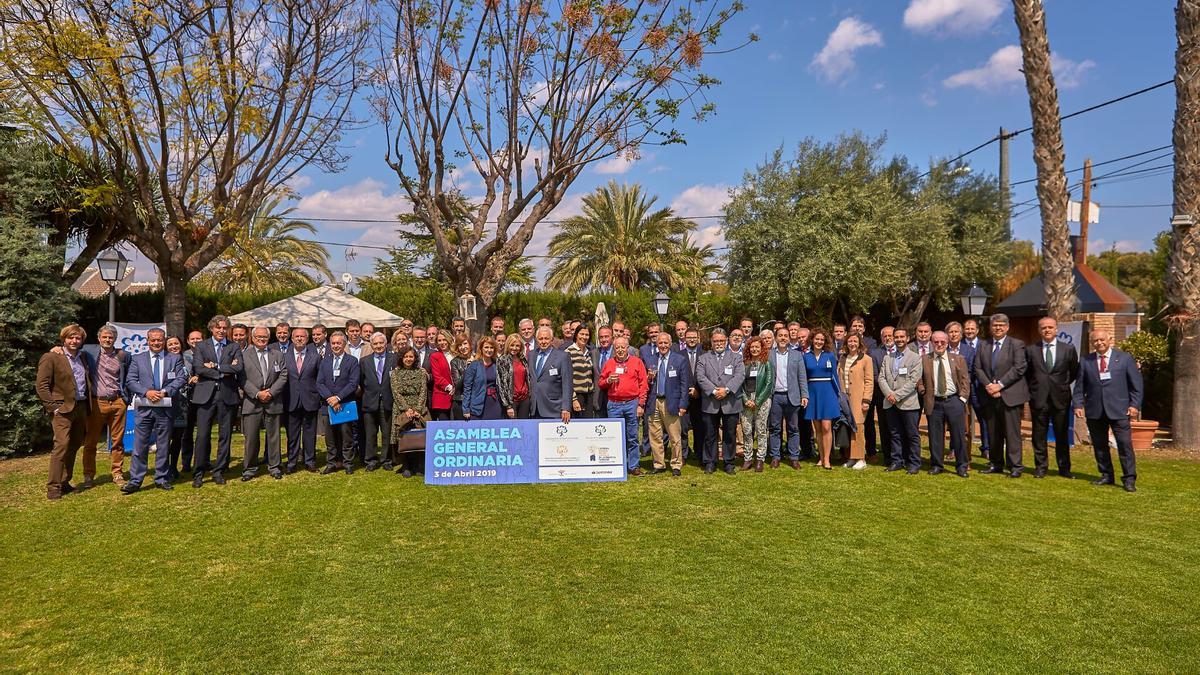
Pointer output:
1084, 207
1005, 197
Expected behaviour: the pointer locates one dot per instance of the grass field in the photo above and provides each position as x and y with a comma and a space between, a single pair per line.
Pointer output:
784, 570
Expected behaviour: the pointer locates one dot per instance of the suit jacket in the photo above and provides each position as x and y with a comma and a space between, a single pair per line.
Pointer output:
797, 375
1008, 368
55, 383
714, 371
172, 377
676, 386
254, 380
376, 392
968, 352
216, 384
959, 374
877, 354
1109, 398
599, 395
344, 384
302, 384
692, 364
903, 385
438, 366
551, 390
474, 390
93, 350
1051, 387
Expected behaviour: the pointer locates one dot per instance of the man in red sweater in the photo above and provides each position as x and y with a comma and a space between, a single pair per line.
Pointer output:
624, 378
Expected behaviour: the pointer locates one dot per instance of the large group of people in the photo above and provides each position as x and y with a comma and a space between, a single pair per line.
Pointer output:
739, 401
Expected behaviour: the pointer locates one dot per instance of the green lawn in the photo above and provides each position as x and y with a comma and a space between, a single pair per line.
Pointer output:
784, 570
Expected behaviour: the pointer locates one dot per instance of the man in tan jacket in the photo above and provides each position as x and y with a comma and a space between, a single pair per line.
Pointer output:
945, 389
65, 387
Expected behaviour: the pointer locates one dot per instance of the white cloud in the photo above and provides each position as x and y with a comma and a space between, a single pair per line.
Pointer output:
365, 200
704, 200
836, 58
951, 16
928, 98
1098, 246
1003, 69
300, 182
775, 56
615, 165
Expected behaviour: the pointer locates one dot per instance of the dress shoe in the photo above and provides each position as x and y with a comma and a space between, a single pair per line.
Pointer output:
1128, 485
710, 468
130, 488
372, 467
87, 484
218, 479
1066, 474
197, 481
67, 489
311, 468
406, 473
1039, 473
962, 472
774, 464
164, 485
913, 471
657, 470
637, 472
54, 496
936, 470
1015, 474
247, 476
329, 468
730, 470
388, 466
278, 475
1103, 480
984, 453
992, 468
758, 466
349, 469
796, 464
749, 464
676, 472
894, 467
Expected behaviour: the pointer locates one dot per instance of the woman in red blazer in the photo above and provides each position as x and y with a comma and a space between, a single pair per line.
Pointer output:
443, 386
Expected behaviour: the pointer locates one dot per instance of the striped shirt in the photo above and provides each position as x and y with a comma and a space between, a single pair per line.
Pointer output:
582, 378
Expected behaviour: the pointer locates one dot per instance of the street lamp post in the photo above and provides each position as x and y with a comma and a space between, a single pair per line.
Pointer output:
113, 265
661, 303
973, 300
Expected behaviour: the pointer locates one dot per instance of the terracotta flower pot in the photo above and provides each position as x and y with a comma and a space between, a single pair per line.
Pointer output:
1143, 433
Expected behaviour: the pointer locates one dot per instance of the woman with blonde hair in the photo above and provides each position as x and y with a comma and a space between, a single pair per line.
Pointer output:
513, 380
481, 395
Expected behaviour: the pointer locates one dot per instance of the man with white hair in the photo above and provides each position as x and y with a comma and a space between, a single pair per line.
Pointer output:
719, 375
1107, 394
624, 378
552, 390
263, 379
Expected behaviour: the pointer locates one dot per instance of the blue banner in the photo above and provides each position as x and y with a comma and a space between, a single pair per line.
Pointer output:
524, 451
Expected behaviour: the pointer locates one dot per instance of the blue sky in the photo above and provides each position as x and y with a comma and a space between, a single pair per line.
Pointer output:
937, 76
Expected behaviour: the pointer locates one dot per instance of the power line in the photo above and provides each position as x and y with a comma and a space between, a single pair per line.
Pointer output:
1096, 164
487, 222
1109, 102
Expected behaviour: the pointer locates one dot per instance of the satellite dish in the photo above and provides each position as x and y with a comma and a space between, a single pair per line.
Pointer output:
347, 277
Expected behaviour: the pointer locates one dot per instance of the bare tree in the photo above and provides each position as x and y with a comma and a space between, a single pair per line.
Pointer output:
1183, 272
524, 98
192, 112
1058, 274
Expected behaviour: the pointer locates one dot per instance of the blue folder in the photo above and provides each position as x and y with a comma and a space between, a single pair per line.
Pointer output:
349, 413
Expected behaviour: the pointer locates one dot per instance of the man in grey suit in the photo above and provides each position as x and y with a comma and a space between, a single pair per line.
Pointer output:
263, 379
1000, 371
552, 393
1108, 393
789, 396
719, 376
899, 375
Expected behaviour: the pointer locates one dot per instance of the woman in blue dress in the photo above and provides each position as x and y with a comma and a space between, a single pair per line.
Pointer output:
821, 367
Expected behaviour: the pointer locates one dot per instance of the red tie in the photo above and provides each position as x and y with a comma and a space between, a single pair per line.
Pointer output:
1103, 363
299, 361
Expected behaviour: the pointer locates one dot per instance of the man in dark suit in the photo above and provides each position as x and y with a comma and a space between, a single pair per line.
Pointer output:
64, 386
694, 421
788, 396
1108, 393
1053, 367
954, 330
970, 339
875, 419
303, 401
600, 356
337, 382
552, 388
217, 363
263, 381
154, 376
667, 402
1000, 367
945, 387
375, 407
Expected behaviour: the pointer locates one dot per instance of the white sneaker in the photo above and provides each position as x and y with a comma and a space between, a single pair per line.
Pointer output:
859, 465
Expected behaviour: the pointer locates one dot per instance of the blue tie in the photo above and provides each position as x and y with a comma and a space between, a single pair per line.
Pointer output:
995, 348
157, 373
541, 360
220, 346
603, 358
662, 376
379, 368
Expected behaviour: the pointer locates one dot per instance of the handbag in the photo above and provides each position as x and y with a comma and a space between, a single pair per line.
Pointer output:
412, 440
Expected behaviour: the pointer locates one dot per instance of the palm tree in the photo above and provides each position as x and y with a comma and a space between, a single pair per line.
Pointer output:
1183, 271
269, 254
1058, 274
620, 243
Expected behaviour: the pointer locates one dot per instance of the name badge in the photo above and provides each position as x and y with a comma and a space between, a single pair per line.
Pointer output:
728, 370
902, 371
671, 373
337, 373
553, 371
620, 370
754, 372
170, 376
278, 368
1105, 376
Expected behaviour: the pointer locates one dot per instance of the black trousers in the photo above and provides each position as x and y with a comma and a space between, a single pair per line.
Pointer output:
339, 445
872, 421
376, 423
694, 421
727, 424
302, 439
1004, 430
586, 411
804, 433
206, 414
1098, 428
905, 445
949, 413
1042, 418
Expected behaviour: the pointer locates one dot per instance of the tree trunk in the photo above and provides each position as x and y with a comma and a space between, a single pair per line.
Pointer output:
174, 302
1183, 273
1057, 264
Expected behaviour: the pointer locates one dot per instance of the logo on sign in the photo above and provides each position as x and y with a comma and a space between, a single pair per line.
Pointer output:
134, 344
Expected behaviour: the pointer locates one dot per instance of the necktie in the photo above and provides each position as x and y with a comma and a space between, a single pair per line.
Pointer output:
1049, 358
1103, 363
220, 346
603, 358
379, 368
262, 363
157, 372
995, 348
941, 378
299, 362
541, 360
662, 376
337, 364
692, 361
